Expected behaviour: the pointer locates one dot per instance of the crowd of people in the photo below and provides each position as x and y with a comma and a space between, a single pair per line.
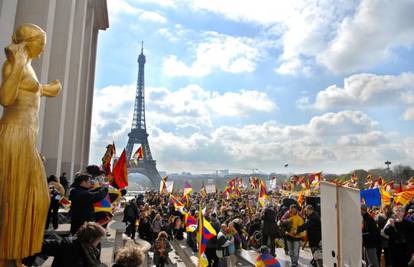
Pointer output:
239, 221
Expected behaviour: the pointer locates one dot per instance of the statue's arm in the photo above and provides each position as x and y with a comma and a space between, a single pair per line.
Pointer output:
52, 89
11, 76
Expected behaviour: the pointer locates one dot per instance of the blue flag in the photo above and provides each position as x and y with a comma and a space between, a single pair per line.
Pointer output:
372, 197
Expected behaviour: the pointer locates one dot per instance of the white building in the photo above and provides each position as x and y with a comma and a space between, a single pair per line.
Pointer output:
72, 28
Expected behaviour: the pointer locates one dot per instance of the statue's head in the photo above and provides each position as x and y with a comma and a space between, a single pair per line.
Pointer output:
34, 38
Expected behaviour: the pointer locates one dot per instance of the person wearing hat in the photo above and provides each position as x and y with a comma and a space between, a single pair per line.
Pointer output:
265, 259
82, 199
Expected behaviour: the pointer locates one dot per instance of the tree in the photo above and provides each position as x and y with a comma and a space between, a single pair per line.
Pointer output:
403, 172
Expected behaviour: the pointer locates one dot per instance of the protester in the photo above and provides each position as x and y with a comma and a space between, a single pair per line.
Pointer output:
161, 249
129, 256
56, 192
370, 237
400, 233
131, 214
313, 229
292, 237
270, 229
156, 225
82, 199
80, 251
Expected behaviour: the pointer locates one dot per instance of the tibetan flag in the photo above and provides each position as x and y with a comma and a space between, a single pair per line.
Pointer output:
65, 202
187, 188
178, 205
203, 192
315, 178
354, 177
107, 158
163, 186
139, 154
207, 232
254, 183
267, 260
190, 223
184, 199
103, 205
120, 174
262, 193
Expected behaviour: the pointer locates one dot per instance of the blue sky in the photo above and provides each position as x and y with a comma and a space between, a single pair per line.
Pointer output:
237, 84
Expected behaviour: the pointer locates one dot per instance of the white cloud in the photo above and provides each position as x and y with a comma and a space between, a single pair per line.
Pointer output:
344, 36
187, 109
117, 7
240, 103
366, 39
373, 138
194, 106
341, 123
152, 16
217, 51
293, 66
175, 34
369, 90
346, 137
303, 27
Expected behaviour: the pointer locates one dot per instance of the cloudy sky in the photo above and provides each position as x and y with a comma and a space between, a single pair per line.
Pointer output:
240, 84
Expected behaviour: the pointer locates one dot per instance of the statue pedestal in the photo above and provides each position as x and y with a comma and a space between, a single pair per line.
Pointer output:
119, 228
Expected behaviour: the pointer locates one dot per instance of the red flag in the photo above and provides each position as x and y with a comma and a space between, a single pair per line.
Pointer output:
120, 174
139, 153
107, 158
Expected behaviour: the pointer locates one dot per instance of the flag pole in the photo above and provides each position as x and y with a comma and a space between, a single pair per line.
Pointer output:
200, 233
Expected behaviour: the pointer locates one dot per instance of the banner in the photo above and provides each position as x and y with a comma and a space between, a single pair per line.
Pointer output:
371, 197
210, 188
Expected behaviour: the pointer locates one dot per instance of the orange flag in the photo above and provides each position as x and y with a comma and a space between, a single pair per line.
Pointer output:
120, 174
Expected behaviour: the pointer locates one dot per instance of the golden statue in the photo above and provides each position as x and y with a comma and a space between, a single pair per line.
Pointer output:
24, 198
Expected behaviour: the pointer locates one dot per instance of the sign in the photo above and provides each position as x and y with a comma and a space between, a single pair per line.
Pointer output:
210, 188
341, 225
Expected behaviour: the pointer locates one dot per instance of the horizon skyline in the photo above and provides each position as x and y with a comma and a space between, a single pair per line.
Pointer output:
320, 85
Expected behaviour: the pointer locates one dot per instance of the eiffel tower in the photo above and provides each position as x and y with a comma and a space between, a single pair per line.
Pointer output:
138, 134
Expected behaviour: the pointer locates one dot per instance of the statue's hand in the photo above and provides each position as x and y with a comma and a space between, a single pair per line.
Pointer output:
56, 84
17, 54
51, 89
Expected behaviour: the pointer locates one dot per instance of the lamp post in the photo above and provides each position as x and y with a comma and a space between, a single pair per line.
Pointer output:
388, 163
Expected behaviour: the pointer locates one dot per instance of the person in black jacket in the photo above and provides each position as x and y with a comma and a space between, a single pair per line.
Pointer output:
212, 245
270, 229
370, 237
80, 251
131, 214
400, 233
313, 227
81, 209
